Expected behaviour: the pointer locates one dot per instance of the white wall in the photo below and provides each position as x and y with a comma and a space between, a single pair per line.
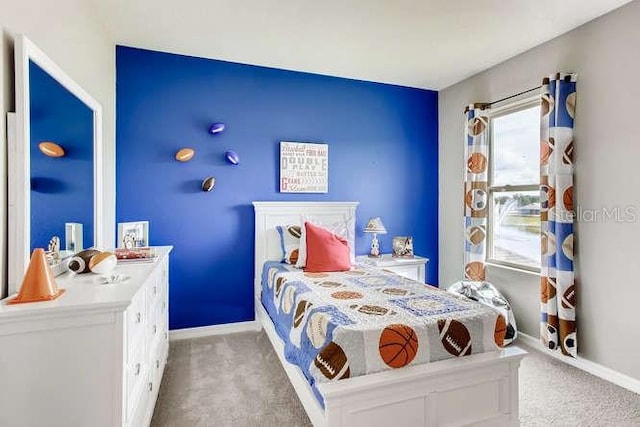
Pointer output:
71, 34
605, 53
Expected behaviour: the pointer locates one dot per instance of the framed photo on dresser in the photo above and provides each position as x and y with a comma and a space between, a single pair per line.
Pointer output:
133, 234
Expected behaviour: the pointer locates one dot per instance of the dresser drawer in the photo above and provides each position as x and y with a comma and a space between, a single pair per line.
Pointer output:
163, 276
154, 326
137, 372
139, 405
136, 321
153, 290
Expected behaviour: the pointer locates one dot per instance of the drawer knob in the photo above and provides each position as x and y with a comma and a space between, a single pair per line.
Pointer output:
157, 364
150, 386
137, 369
138, 317
155, 329
155, 290
165, 335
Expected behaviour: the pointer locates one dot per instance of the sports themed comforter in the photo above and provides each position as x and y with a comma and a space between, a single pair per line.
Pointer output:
346, 324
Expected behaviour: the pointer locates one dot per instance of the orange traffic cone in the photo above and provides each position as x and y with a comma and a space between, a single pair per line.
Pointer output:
39, 283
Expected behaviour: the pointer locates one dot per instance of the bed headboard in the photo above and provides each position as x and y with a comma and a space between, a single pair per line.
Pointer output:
271, 214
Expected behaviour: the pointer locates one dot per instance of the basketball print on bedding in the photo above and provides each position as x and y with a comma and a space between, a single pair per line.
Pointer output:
398, 345
455, 337
500, 331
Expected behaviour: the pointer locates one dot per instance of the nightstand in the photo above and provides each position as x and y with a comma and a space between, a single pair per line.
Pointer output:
413, 268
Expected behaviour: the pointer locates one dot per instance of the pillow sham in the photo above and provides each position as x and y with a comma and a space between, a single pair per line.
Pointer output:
325, 250
289, 242
343, 228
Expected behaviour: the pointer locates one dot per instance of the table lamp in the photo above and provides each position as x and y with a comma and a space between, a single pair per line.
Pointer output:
376, 227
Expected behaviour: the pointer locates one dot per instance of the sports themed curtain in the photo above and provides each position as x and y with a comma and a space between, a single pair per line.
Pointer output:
557, 288
475, 190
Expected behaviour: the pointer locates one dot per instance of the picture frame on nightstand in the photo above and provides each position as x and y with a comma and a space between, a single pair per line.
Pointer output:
402, 247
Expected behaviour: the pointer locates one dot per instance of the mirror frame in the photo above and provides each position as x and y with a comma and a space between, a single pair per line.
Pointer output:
19, 164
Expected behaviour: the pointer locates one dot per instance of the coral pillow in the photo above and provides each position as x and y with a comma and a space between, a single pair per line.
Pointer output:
325, 250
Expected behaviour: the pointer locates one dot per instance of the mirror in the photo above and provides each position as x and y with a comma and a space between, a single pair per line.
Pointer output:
46, 191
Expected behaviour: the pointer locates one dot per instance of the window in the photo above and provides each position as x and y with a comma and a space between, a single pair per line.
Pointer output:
514, 192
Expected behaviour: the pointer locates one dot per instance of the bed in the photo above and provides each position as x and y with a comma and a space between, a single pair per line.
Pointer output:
478, 389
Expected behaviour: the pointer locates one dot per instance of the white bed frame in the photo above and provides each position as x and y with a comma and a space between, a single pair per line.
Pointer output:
479, 390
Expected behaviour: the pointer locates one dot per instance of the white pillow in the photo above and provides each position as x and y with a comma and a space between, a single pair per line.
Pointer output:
289, 242
344, 228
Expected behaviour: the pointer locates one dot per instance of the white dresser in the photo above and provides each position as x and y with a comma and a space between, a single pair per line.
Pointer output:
93, 357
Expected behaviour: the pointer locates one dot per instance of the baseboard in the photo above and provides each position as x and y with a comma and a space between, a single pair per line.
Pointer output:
593, 368
205, 331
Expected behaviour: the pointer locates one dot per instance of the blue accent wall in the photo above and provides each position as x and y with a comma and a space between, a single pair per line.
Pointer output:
61, 188
383, 152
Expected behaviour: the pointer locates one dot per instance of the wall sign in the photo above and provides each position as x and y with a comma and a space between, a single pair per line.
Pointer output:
304, 168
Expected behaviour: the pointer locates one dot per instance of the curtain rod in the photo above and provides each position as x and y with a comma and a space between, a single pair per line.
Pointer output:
488, 104
513, 96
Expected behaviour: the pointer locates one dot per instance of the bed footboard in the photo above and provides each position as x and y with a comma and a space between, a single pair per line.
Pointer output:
477, 390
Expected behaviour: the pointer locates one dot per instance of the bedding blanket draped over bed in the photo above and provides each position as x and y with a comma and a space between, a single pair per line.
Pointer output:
367, 320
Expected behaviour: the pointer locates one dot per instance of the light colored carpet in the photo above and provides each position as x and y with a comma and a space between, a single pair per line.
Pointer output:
237, 380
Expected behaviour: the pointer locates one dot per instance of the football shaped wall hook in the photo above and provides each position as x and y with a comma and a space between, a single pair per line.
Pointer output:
208, 183
185, 154
216, 128
51, 149
232, 157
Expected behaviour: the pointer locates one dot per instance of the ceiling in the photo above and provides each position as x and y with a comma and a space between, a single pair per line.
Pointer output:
420, 43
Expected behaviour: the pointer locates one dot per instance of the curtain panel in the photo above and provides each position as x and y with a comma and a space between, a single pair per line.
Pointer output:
475, 190
557, 287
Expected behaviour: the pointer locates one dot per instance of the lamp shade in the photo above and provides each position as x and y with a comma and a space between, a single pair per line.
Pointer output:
375, 225
38, 283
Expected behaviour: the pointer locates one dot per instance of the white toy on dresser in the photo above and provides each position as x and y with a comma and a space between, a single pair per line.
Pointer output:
94, 356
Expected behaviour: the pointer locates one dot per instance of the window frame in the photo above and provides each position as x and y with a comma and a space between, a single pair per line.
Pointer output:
510, 108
